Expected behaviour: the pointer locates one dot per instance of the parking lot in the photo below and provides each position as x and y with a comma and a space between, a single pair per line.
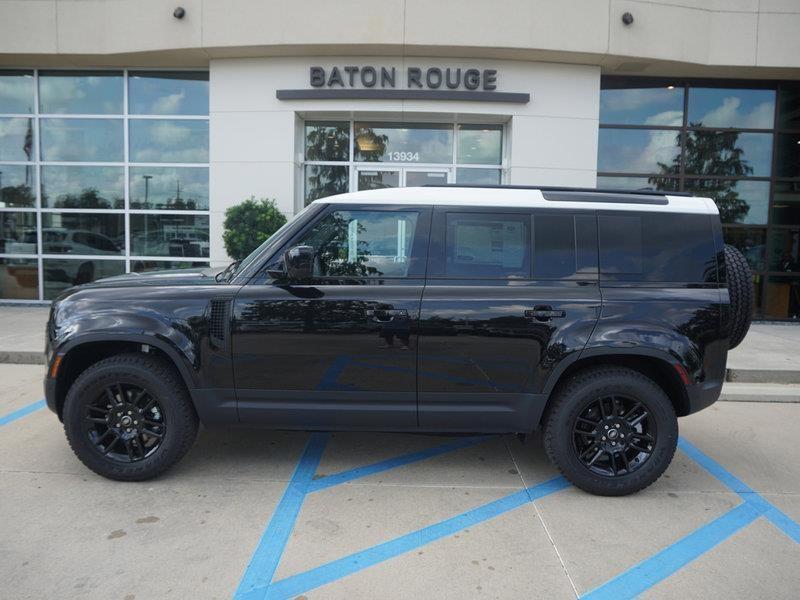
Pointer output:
255, 514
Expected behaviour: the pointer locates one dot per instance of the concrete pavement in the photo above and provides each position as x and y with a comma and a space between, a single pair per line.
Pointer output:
65, 532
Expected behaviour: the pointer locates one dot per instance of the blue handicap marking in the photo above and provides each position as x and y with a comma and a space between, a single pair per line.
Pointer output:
24, 411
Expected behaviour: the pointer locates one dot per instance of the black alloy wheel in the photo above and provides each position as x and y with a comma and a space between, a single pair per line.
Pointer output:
610, 430
125, 423
129, 417
614, 435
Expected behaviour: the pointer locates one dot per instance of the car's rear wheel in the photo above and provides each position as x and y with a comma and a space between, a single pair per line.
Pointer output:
611, 431
129, 417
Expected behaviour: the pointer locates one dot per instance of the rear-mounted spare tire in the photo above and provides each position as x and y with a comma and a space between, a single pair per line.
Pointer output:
740, 290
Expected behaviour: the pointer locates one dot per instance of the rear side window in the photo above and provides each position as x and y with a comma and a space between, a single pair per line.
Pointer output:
564, 245
488, 245
657, 247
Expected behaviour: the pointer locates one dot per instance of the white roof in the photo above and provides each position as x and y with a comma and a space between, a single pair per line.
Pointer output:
512, 198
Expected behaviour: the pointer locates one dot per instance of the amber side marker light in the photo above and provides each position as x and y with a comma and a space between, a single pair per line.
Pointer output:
55, 365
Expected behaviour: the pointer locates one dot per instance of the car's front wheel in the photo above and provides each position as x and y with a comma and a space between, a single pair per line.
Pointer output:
129, 417
611, 431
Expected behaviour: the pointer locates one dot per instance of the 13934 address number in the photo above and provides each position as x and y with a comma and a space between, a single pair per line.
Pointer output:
404, 156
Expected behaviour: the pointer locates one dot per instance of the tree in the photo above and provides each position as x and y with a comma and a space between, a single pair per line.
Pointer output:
248, 224
715, 155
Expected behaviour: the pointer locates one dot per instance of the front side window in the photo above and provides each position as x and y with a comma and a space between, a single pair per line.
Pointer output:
362, 243
488, 245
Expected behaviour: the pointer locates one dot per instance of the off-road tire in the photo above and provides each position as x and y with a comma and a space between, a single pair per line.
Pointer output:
160, 380
740, 290
578, 392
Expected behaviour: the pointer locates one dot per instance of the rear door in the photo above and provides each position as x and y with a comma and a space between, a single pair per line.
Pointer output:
510, 294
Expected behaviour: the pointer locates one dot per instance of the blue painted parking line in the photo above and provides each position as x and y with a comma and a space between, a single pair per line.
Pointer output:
392, 463
658, 567
267, 555
674, 557
329, 572
18, 414
761, 504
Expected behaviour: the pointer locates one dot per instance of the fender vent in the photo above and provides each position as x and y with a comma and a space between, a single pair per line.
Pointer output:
218, 321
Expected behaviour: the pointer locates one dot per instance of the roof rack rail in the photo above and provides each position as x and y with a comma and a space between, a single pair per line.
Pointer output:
545, 188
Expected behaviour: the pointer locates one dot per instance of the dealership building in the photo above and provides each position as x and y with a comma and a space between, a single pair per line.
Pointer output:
128, 127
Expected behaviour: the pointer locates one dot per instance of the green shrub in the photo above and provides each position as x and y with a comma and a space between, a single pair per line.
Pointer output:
248, 224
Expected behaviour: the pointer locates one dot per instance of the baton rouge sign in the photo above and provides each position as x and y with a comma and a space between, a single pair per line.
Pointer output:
390, 83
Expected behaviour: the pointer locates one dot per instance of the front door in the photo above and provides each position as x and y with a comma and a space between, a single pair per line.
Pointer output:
337, 350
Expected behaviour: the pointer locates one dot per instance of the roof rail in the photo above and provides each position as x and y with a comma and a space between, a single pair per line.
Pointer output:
544, 188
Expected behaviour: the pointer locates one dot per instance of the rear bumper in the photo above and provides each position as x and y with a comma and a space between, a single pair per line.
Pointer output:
703, 395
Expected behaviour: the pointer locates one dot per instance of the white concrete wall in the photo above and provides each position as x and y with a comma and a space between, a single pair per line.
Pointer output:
256, 139
735, 34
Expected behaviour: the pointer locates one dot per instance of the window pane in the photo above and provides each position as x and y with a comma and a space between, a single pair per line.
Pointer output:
789, 109
163, 140
363, 243
488, 245
553, 246
788, 159
785, 250
80, 92
17, 233
83, 233
719, 107
620, 244
638, 183
638, 151
169, 235
168, 93
19, 279
16, 139
143, 266
782, 299
60, 274
737, 201
325, 180
83, 187
689, 257
81, 140
327, 141
786, 203
642, 106
750, 242
377, 180
728, 153
387, 142
169, 188
17, 186
16, 91
480, 144
420, 178
478, 176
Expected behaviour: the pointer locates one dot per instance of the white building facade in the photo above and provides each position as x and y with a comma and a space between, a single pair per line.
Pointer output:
128, 128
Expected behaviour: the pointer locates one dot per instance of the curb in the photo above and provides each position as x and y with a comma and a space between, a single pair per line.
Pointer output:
785, 376
22, 358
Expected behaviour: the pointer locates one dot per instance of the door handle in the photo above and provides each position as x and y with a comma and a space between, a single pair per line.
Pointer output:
544, 313
384, 315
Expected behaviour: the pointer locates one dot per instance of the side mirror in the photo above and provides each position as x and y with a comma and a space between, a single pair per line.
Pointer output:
299, 263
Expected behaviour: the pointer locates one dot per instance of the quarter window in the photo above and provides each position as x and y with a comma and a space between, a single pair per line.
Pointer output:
488, 245
362, 243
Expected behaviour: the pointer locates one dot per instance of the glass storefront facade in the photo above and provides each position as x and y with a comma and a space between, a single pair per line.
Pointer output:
344, 156
101, 172
737, 142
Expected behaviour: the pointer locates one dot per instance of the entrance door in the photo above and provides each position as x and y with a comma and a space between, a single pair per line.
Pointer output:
370, 178
339, 349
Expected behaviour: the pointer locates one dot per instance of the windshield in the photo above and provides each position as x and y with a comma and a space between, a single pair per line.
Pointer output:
267, 243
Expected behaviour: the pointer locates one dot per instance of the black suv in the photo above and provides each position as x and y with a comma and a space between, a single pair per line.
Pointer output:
599, 316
